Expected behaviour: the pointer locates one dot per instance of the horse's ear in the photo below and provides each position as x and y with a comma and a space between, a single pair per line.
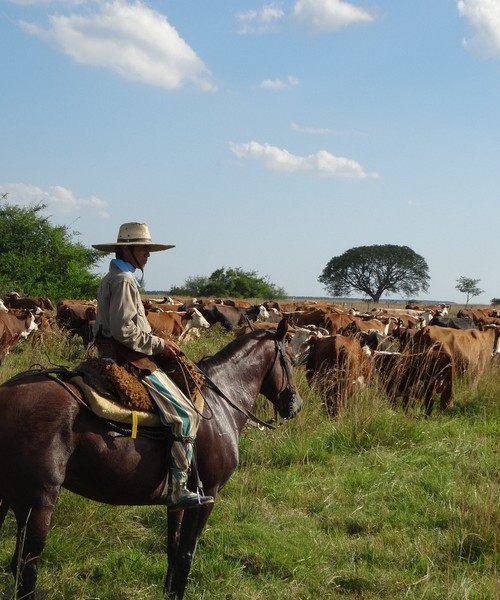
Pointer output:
282, 329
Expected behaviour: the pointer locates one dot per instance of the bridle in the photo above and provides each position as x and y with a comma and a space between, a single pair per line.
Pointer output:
280, 355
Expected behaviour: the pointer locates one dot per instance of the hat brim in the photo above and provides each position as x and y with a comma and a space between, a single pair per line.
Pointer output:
112, 247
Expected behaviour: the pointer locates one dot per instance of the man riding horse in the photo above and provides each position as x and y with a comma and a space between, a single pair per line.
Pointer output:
123, 334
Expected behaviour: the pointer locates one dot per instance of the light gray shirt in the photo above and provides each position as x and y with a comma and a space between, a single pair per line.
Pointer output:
121, 314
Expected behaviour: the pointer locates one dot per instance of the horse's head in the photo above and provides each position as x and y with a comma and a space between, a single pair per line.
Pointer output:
279, 384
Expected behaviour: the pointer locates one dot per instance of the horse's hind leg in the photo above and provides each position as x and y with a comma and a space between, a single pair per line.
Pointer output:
32, 529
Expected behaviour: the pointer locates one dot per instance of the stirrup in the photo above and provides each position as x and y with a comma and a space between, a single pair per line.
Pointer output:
188, 500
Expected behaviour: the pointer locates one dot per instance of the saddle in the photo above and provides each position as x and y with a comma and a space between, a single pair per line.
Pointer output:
114, 382
114, 393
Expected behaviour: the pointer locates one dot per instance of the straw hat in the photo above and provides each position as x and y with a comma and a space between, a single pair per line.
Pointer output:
133, 234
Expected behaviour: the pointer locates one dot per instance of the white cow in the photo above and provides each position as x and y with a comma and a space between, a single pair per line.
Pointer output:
301, 338
33, 326
274, 315
263, 314
196, 322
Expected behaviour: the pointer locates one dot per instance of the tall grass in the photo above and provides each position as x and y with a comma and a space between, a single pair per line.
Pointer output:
376, 504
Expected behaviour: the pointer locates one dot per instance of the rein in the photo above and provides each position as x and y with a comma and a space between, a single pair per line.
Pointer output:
237, 405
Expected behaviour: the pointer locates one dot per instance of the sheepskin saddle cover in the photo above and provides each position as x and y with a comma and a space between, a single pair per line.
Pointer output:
114, 394
114, 381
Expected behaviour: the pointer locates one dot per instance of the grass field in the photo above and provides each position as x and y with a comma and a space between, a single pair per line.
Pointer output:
377, 504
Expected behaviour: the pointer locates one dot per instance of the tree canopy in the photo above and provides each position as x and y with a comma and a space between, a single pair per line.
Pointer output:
229, 283
375, 270
42, 260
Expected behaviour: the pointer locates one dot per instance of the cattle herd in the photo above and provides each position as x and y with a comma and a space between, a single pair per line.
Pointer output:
414, 353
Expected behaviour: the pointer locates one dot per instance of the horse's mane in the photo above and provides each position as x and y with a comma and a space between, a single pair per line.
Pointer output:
208, 362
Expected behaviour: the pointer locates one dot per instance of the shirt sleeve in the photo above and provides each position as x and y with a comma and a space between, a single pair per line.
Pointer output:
127, 319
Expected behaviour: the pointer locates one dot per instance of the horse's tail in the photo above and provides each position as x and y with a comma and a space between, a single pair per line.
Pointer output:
4, 509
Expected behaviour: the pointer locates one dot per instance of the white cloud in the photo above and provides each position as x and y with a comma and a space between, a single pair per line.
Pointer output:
57, 198
329, 15
279, 84
484, 18
130, 39
259, 21
322, 163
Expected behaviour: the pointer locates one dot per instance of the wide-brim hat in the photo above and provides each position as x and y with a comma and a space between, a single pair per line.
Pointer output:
133, 234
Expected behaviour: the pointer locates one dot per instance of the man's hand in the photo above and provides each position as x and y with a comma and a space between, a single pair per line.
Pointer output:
171, 349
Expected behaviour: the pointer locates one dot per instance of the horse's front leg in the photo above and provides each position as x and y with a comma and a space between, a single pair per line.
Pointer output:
32, 529
179, 564
173, 536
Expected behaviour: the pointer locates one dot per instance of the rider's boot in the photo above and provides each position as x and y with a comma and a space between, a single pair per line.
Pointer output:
179, 497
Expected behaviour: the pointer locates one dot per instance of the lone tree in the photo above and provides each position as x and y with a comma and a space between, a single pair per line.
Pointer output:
469, 287
374, 270
40, 259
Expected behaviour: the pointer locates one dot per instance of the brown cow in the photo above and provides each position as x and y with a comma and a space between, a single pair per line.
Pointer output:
336, 322
421, 374
77, 317
155, 306
44, 328
405, 336
472, 349
13, 300
231, 302
360, 324
15, 325
436, 309
332, 320
480, 316
272, 304
336, 365
176, 323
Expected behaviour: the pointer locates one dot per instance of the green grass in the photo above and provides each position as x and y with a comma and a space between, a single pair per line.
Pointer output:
375, 505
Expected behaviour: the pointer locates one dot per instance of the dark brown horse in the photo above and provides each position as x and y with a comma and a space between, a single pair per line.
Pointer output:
48, 440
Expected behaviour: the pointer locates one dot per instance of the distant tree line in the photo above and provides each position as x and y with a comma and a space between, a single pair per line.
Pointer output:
40, 259
229, 283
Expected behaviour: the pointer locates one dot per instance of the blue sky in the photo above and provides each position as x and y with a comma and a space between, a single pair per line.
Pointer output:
265, 136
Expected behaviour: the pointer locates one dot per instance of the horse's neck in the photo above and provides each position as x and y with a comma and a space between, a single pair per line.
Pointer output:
237, 381
240, 374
